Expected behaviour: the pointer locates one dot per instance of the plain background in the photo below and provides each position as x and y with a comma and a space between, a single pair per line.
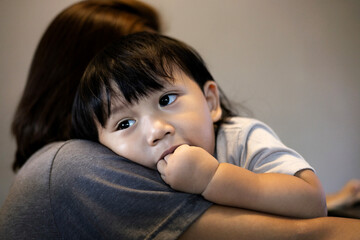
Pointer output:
294, 64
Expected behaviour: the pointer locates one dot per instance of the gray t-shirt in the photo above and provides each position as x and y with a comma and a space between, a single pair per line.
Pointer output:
81, 190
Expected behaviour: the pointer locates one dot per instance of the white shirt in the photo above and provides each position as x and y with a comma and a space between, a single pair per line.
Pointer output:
253, 145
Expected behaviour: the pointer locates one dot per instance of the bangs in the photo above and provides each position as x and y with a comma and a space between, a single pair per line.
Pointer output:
138, 80
125, 81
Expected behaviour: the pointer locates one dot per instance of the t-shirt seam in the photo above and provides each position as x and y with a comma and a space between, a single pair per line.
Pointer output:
49, 186
159, 230
197, 217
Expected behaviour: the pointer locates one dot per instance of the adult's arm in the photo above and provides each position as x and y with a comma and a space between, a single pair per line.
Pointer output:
346, 196
220, 222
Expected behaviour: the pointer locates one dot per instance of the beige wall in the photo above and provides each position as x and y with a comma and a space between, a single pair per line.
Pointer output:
295, 64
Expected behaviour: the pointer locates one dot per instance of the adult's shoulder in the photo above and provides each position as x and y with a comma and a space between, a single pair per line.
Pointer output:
76, 147
68, 151
82, 159
82, 153
98, 194
81, 190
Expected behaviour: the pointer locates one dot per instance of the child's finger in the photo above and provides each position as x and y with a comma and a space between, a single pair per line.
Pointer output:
161, 165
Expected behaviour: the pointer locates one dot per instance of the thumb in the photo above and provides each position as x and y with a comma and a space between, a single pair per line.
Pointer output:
161, 166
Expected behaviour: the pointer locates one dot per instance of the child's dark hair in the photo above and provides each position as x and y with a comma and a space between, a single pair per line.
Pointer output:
135, 66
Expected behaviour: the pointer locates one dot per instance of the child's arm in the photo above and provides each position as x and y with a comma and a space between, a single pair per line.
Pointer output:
192, 169
294, 196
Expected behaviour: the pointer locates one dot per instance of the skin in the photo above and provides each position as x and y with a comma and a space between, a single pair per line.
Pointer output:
174, 130
348, 195
220, 222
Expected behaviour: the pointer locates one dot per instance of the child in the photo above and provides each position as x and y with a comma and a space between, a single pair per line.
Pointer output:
152, 100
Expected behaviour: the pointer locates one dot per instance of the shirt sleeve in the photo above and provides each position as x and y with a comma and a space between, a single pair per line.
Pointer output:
96, 194
253, 145
265, 153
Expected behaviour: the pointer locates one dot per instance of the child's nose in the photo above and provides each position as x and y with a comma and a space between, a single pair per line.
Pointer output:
157, 129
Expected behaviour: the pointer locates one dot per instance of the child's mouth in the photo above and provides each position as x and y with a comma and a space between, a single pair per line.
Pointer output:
169, 151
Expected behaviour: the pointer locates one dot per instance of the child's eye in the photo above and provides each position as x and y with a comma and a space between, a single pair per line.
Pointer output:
167, 99
125, 124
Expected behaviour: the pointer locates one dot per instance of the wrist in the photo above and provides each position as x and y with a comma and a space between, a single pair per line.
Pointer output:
207, 188
203, 170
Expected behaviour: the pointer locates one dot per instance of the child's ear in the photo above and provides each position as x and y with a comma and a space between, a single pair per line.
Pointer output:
211, 93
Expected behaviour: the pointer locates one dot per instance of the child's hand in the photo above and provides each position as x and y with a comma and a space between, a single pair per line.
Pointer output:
188, 169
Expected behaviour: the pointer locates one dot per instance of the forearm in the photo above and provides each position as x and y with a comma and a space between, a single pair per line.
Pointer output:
273, 193
220, 222
349, 194
334, 201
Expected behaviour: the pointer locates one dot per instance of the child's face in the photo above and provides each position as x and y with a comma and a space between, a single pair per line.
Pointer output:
178, 114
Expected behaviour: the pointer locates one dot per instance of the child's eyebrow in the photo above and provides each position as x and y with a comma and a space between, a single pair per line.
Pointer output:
116, 108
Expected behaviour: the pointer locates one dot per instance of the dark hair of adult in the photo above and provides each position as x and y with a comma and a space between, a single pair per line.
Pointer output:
71, 40
135, 66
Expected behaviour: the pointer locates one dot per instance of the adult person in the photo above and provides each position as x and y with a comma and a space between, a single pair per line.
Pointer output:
80, 190
68, 44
